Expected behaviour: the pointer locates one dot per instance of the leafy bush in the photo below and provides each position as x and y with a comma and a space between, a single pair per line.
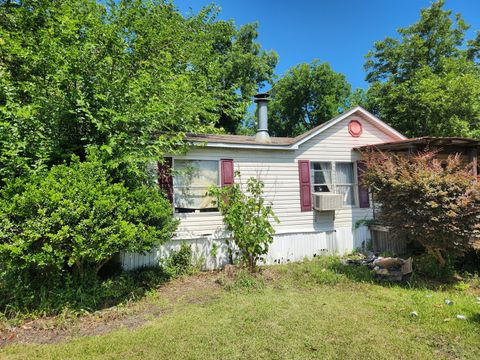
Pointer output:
74, 218
434, 202
58, 228
247, 216
180, 262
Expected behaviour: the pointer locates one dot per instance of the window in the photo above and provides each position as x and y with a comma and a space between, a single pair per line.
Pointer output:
344, 182
338, 178
191, 181
321, 174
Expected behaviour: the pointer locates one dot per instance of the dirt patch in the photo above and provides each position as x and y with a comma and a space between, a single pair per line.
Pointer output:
199, 288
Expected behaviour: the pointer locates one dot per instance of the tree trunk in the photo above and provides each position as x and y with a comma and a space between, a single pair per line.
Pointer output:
440, 258
437, 254
80, 270
99, 266
251, 263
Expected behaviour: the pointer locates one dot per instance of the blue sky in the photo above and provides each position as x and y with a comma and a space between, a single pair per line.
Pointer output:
339, 32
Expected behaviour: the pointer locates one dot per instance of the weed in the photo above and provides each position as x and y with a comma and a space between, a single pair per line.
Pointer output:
242, 280
179, 262
461, 286
214, 250
71, 298
326, 270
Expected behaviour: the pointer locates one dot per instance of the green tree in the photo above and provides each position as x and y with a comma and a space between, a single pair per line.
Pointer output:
248, 217
306, 96
359, 97
427, 82
244, 70
248, 126
128, 78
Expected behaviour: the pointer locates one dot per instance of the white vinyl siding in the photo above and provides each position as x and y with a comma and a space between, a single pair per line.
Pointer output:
279, 171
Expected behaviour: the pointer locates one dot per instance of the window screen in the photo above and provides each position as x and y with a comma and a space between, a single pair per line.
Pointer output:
344, 182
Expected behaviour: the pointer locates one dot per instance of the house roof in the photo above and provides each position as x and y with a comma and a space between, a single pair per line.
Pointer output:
287, 143
423, 142
236, 139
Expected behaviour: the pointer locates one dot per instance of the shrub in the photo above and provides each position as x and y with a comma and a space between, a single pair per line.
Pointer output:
434, 202
58, 228
180, 262
74, 218
247, 216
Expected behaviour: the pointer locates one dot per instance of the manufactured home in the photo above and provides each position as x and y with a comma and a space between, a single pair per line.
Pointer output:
313, 181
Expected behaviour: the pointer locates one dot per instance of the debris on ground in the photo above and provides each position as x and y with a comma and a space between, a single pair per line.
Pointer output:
393, 269
414, 314
448, 302
461, 317
358, 260
388, 268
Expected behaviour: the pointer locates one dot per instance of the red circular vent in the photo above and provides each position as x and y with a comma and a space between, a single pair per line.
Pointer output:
355, 128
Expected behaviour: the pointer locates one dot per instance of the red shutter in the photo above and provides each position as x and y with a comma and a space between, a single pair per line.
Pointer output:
363, 198
165, 179
305, 190
227, 173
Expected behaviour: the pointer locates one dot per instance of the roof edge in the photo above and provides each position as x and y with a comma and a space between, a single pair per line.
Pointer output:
243, 146
295, 142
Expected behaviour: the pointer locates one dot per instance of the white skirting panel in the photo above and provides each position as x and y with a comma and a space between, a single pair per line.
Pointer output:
361, 237
209, 252
296, 247
212, 252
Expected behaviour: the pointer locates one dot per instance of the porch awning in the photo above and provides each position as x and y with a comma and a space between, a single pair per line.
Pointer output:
448, 144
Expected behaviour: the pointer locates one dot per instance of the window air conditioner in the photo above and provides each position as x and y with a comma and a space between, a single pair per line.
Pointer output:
323, 201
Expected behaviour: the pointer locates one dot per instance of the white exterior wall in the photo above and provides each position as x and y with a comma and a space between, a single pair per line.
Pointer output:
299, 234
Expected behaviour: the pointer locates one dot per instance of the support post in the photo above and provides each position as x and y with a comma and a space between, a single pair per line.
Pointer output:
472, 158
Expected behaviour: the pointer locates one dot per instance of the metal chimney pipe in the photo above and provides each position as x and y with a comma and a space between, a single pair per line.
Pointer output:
262, 135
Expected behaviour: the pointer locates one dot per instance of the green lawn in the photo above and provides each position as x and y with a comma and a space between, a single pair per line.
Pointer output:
305, 311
